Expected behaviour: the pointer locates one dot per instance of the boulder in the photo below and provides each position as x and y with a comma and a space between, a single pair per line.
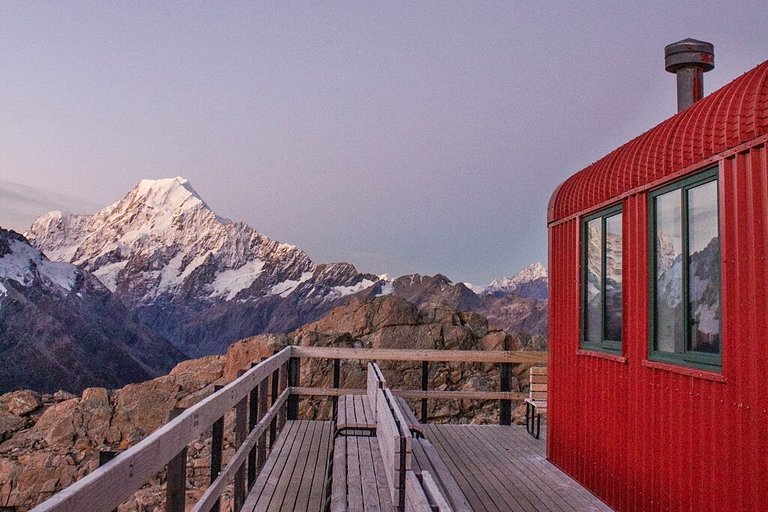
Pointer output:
241, 354
23, 402
9, 423
361, 317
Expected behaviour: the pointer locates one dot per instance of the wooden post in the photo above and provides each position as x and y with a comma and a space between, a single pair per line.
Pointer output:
263, 406
336, 382
253, 419
505, 406
273, 424
424, 387
241, 420
285, 372
294, 371
217, 446
106, 456
176, 477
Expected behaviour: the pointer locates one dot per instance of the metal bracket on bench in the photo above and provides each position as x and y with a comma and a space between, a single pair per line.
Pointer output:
532, 416
356, 431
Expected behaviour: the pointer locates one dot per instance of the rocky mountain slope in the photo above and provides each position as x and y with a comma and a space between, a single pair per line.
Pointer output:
61, 328
516, 304
198, 279
49, 441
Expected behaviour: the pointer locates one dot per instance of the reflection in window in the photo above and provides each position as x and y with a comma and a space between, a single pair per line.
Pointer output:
704, 269
602, 280
613, 295
669, 278
594, 320
687, 270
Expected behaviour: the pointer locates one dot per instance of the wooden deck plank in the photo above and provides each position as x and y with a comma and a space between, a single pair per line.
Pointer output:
294, 476
466, 475
339, 478
307, 476
385, 500
270, 465
513, 461
279, 482
319, 479
548, 478
426, 458
367, 470
491, 447
354, 478
537, 477
493, 483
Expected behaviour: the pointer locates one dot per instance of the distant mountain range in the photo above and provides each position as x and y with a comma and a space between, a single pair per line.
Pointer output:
171, 269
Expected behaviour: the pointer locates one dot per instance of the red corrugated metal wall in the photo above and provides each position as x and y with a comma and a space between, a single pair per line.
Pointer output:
648, 438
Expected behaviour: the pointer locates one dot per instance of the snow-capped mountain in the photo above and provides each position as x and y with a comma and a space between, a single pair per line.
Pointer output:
530, 282
62, 328
198, 279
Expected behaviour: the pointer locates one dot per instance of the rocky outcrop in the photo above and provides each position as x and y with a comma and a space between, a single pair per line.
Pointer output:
49, 441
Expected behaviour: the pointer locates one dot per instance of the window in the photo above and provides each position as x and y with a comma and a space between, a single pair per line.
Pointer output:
601, 280
685, 272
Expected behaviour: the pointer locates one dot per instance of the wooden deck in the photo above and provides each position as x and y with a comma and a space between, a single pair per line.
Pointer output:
295, 476
502, 468
498, 469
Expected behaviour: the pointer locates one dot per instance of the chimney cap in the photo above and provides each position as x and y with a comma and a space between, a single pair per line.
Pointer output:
689, 53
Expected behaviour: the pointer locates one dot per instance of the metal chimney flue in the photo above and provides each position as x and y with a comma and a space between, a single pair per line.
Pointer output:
689, 59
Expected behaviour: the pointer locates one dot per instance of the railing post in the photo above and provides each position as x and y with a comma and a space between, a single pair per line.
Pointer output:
217, 446
505, 405
176, 477
424, 387
263, 406
241, 420
273, 424
253, 419
336, 383
294, 371
285, 375
106, 456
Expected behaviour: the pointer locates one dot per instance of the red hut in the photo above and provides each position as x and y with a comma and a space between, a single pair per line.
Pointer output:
658, 329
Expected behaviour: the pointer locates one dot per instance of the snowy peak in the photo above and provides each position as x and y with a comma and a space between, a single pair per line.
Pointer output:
174, 194
196, 278
529, 282
27, 266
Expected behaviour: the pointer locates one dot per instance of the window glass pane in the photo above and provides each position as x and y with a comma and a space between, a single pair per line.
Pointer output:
613, 296
704, 268
669, 277
594, 317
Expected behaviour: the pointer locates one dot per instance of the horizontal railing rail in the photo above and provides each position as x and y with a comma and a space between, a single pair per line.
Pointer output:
420, 355
116, 481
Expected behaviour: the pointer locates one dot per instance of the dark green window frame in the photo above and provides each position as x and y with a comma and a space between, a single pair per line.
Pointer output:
688, 357
604, 345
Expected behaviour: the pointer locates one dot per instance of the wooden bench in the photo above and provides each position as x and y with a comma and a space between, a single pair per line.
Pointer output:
375, 473
356, 414
536, 403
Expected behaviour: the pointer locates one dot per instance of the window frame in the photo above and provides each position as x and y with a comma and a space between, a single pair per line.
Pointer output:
607, 346
688, 358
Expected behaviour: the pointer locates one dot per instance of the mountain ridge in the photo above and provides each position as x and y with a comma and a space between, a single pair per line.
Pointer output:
204, 281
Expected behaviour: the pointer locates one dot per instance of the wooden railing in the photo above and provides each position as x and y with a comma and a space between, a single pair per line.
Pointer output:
277, 379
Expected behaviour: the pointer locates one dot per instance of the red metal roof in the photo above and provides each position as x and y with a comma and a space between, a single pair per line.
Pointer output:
730, 116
